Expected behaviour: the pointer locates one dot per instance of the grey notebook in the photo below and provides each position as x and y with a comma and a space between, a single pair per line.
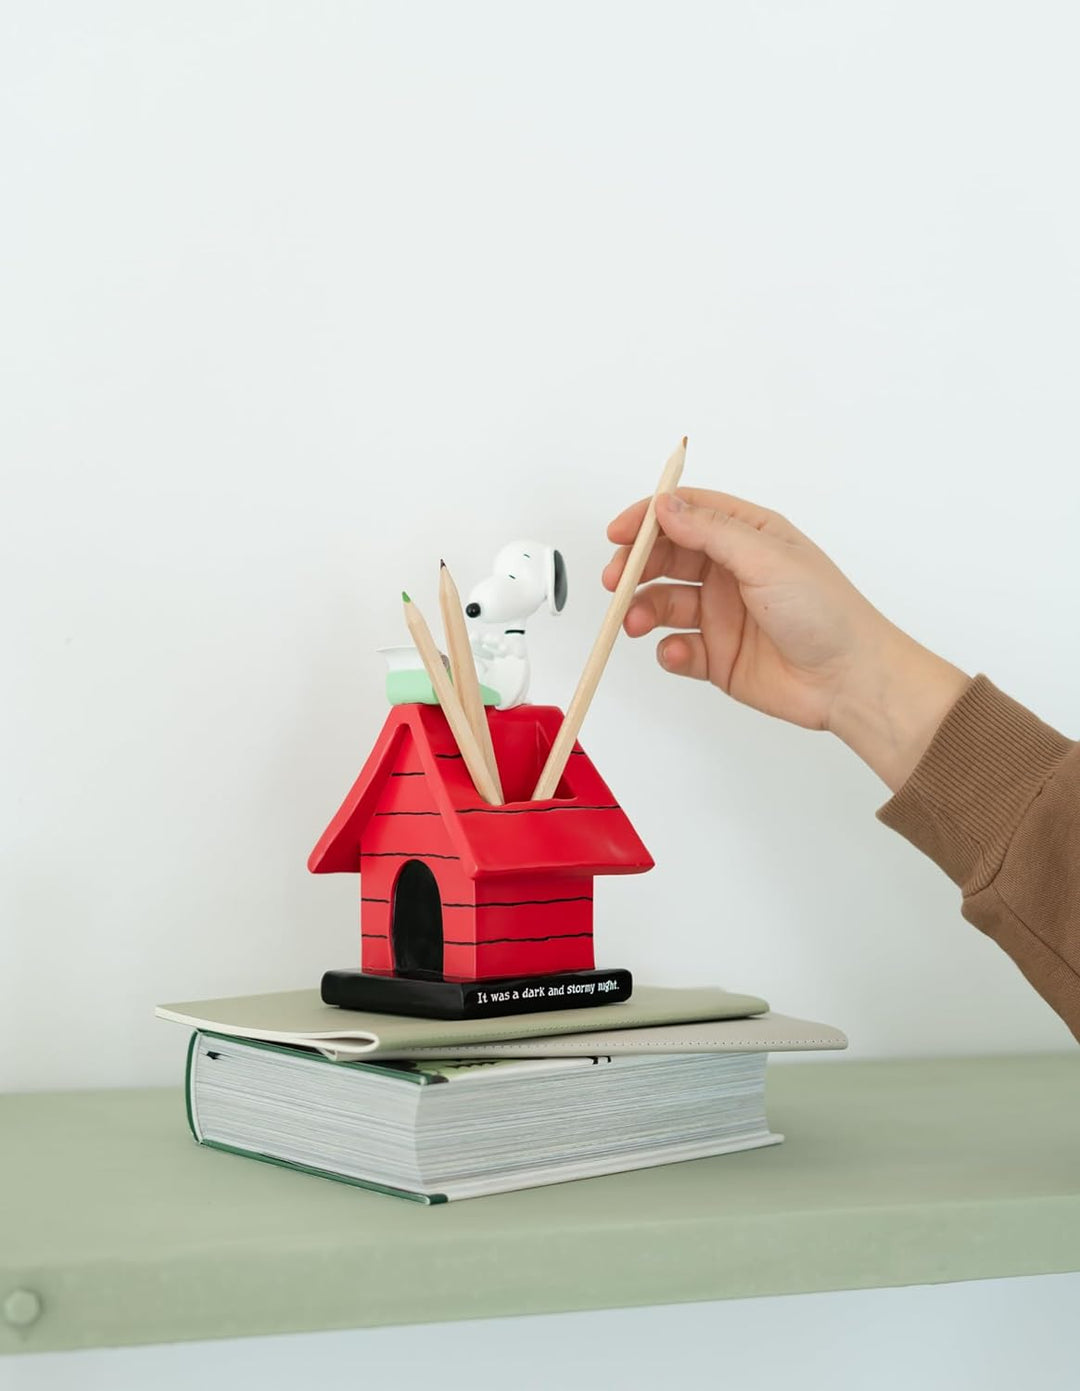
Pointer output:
654, 1019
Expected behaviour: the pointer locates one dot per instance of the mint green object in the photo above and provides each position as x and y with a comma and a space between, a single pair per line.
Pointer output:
116, 1228
407, 682
414, 688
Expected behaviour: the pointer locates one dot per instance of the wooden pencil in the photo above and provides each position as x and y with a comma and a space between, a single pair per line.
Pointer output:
463, 671
609, 631
448, 699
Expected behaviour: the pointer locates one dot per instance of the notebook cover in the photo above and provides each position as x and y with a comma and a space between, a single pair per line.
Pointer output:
254, 1016
763, 1033
300, 1017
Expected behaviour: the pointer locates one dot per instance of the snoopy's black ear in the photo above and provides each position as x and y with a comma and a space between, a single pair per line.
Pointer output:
558, 582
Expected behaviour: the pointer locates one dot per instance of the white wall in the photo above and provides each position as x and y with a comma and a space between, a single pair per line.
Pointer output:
298, 298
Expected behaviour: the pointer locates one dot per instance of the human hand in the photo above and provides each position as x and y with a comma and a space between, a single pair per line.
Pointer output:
770, 619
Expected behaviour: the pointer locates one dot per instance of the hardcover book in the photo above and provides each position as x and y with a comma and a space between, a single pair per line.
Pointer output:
434, 1130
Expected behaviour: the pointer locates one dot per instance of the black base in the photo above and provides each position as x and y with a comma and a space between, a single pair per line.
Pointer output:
475, 999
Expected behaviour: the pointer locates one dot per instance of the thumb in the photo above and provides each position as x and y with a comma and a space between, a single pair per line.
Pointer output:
719, 534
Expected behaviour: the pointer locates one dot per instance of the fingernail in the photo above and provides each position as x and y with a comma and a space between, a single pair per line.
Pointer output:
674, 502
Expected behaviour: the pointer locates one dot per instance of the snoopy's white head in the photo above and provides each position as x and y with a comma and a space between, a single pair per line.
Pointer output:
525, 576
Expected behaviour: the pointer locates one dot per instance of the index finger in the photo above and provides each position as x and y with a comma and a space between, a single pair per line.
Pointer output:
627, 524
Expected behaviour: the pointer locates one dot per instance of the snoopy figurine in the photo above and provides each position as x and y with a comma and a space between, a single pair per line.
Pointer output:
525, 575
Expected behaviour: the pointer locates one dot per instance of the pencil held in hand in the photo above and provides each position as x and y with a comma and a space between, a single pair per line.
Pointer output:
609, 631
448, 699
463, 671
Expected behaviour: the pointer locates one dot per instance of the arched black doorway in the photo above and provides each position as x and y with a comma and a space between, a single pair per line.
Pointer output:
416, 935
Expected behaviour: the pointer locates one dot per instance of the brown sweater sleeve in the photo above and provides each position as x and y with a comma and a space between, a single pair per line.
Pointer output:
995, 801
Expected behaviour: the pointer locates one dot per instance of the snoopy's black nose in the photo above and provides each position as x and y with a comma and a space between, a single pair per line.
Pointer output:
472, 610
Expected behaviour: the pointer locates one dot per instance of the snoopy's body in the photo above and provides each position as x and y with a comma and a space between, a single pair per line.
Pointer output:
502, 662
525, 575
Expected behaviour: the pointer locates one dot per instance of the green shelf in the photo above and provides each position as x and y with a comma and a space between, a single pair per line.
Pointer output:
115, 1228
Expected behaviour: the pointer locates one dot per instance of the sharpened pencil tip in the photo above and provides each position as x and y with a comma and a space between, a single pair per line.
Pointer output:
405, 597
442, 564
684, 440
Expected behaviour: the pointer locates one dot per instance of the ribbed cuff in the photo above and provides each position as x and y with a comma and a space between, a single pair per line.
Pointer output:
968, 793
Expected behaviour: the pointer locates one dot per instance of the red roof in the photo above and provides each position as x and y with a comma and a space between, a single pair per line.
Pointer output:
582, 829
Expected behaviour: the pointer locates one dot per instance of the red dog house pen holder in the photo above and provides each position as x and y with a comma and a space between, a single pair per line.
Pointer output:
466, 909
